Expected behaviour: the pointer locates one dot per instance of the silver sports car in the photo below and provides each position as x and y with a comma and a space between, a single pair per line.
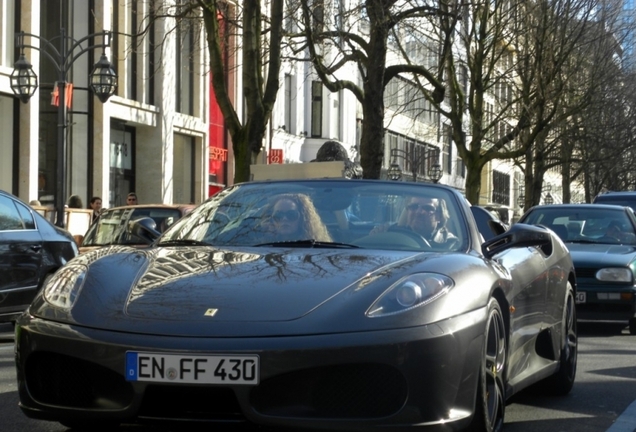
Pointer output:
308, 304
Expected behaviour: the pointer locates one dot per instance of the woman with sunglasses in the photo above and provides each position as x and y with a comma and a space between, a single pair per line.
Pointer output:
294, 217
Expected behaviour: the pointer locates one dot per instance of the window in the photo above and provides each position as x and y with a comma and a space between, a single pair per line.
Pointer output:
183, 169
7, 50
501, 188
318, 16
185, 69
288, 103
27, 217
9, 217
316, 109
447, 151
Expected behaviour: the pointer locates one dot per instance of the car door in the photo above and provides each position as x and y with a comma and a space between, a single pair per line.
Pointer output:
20, 255
527, 298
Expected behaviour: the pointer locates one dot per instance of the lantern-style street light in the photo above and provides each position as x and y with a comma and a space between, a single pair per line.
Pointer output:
428, 158
548, 197
24, 83
521, 199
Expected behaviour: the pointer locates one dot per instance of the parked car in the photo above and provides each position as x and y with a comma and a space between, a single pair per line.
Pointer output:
32, 249
622, 198
320, 304
602, 241
111, 228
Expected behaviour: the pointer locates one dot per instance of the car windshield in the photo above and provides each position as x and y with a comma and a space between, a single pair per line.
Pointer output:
111, 227
616, 200
586, 225
327, 213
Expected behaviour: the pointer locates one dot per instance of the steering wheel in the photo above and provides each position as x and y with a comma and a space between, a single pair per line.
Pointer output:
421, 241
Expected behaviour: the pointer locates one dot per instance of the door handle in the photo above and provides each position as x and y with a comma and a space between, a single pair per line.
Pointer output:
36, 248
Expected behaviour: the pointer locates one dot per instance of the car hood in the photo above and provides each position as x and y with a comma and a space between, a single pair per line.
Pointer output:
601, 255
243, 286
182, 290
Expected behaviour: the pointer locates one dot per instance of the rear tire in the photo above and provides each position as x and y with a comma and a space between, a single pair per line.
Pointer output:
490, 404
562, 381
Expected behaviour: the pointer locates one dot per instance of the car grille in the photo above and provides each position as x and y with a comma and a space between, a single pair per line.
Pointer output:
585, 272
193, 403
608, 308
353, 391
56, 379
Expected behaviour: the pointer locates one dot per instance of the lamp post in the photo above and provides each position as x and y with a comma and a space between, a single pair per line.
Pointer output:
434, 171
24, 82
521, 199
548, 197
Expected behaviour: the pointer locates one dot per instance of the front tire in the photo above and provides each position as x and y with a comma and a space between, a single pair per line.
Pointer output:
562, 381
632, 326
490, 404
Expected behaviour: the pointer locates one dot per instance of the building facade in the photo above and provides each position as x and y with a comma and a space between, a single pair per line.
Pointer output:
151, 137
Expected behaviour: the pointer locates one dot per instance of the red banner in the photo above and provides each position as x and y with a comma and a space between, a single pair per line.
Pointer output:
275, 156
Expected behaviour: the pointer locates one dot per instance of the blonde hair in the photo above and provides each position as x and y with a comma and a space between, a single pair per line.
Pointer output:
311, 224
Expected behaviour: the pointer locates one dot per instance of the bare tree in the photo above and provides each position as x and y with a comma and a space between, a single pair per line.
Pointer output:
358, 37
567, 64
260, 65
249, 36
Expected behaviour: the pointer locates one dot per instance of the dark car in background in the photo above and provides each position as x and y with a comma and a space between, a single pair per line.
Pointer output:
622, 198
111, 228
32, 249
602, 242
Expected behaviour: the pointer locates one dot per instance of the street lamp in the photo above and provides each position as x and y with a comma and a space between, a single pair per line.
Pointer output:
24, 82
434, 171
548, 199
521, 199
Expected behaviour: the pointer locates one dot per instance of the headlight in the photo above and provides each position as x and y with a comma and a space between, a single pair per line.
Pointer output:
410, 292
616, 274
64, 287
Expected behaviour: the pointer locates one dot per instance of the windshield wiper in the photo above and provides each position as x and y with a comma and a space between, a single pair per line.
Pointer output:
311, 243
182, 242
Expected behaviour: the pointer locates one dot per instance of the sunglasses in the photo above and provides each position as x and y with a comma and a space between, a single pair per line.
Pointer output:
132, 199
290, 215
426, 207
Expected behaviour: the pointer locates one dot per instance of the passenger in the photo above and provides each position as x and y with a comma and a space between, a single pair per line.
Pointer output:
427, 217
294, 217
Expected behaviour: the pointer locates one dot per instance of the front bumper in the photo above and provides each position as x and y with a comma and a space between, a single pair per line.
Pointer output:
606, 302
422, 376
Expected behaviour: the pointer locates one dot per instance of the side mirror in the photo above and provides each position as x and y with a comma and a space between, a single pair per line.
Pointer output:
519, 235
145, 228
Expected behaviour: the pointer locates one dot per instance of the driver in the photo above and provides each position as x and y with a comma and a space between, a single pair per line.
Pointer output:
427, 217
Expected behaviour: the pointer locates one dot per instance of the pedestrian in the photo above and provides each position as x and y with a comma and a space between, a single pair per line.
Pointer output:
95, 204
131, 199
74, 201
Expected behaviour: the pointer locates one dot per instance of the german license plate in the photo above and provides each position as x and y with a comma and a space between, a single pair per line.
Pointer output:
192, 369
580, 297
